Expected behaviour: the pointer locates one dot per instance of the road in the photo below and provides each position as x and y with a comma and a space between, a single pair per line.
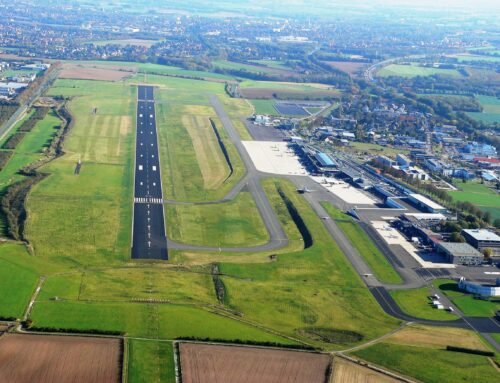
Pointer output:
20, 112
149, 240
251, 182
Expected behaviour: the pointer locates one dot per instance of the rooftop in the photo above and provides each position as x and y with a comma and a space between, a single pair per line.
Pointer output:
324, 159
482, 235
426, 201
460, 249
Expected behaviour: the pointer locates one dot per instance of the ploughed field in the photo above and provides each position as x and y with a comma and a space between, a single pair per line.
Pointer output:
63, 359
201, 363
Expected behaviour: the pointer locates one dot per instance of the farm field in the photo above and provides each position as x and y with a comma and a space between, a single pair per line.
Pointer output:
38, 358
414, 70
350, 372
478, 194
94, 72
350, 67
491, 109
230, 224
379, 264
226, 364
150, 361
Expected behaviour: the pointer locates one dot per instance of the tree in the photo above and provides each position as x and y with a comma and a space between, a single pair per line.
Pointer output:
456, 237
487, 216
487, 252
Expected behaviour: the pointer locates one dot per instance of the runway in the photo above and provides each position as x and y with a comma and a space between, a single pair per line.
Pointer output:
149, 240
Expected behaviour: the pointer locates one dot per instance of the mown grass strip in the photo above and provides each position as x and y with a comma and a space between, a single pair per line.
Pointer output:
379, 264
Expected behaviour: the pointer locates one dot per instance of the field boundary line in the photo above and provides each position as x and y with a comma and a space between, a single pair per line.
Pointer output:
125, 360
31, 303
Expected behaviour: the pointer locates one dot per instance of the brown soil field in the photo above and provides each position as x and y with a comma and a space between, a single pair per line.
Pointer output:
268, 93
351, 67
95, 72
62, 359
345, 371
201, 363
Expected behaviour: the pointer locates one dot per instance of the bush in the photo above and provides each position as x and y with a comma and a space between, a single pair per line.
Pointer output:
4, 158
13, 140
249, 342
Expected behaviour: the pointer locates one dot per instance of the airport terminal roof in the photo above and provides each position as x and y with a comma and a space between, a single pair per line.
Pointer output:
426, 201
324, 159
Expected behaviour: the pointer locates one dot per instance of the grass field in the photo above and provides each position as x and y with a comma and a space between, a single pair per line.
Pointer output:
17, 283
466, 302
230, 224
376, 149
429, 364
155, 321
194, 168
312, 294
264, 107
491, 109
475, 58
377, 262
414, 70
150, 361
478, 194
416, 302
252, 89
265, 68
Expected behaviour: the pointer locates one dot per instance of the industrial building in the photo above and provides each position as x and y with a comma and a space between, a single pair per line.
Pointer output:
425, 203
483, 239
460, 253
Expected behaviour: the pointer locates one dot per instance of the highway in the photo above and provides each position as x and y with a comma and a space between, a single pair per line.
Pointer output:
149, 239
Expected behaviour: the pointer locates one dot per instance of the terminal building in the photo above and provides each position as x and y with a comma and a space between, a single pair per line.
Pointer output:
483, 239
460, 253
426, 204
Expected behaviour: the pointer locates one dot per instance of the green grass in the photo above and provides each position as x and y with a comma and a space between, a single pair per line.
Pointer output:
264, 107
416, 302
272, 64
476, 58
376, 149
17, 283
94, 209
377, 262
313, 288
414, 70
181, 171
478, 194
491, 109
230, 224
150, 361
155, 321
430, 365
255, 69
466, 302
17, 72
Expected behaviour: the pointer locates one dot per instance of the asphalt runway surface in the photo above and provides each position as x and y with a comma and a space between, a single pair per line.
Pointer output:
149, 240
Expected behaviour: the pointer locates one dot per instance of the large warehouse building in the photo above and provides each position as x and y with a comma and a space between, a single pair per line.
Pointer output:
460, 253
483, 239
